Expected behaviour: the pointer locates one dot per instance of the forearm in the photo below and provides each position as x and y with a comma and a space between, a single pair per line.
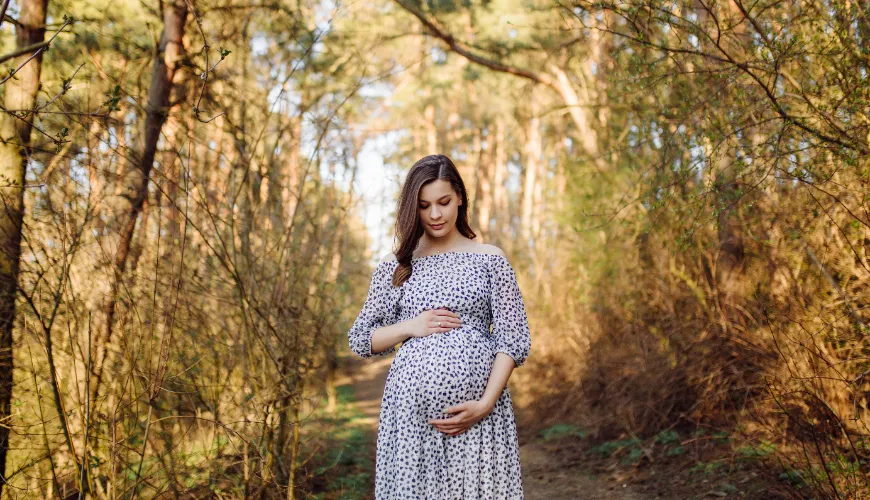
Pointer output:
387, 336
501, 371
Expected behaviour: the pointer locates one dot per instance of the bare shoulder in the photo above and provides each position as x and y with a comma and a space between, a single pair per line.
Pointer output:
490, 249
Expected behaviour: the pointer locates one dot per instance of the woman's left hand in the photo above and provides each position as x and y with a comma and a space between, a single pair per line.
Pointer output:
467, 414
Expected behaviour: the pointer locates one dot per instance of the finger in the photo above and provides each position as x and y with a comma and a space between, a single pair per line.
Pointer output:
447, 424
456, 409
463, 423
446, 421
446, 327
452, 318
447, 315
451, 429
443, 324
455, 414
446, 319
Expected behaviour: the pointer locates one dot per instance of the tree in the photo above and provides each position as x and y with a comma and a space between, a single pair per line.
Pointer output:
16, 125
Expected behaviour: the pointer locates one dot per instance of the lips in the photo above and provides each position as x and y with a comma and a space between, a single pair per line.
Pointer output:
439, 226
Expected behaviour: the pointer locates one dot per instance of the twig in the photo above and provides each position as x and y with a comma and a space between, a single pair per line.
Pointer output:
204, 75
3, 10
67, 21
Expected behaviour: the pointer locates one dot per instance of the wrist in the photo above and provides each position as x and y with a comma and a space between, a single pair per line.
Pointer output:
406, 330
488, 402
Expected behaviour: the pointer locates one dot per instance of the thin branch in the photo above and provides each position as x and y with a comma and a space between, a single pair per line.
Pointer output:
3, 10
67, 21
23, 50
461, 50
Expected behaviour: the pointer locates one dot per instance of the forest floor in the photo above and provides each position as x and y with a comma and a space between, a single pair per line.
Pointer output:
557, 464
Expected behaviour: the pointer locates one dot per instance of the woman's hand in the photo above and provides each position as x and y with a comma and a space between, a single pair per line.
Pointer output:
433, 321
467, 414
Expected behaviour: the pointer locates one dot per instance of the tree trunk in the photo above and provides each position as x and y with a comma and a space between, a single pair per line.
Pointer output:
21, 94
169, 197
431, 130
499, 194
166, 64
539, 204
290, 173
531, 164
483, 198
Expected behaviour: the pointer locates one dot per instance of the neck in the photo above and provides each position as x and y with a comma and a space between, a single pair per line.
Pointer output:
440, 244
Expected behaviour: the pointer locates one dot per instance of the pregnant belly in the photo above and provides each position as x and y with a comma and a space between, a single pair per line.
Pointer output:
442, 370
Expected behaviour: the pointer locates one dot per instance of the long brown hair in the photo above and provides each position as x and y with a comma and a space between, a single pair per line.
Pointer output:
409, 229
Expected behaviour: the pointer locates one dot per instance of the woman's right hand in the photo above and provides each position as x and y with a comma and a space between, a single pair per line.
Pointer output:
426, 323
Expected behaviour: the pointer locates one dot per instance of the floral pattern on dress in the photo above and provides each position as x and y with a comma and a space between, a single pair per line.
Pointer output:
414, 459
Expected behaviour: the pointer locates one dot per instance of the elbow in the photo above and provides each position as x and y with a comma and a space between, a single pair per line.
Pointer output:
388, 350
360, 340
360, 343
520, 357
517, 350
361, 353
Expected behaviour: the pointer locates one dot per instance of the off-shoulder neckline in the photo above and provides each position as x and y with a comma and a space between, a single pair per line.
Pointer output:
458, 252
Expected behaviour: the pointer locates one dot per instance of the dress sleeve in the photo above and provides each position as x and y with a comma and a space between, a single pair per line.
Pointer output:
510, 326
379, 310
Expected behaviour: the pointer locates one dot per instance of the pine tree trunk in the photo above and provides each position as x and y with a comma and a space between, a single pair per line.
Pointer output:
531, 164
499, 194
166, 64
21, 94
483, 199
431, 130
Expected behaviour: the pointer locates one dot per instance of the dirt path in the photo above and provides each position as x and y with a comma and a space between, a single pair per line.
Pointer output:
544, 475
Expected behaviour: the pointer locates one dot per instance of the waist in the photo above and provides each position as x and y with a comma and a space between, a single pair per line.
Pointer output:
463, 330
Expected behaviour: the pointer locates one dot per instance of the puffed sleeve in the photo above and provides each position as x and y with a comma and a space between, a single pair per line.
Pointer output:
510, 326
380, 309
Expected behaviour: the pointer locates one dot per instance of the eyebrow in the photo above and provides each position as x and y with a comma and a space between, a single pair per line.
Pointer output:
439, 199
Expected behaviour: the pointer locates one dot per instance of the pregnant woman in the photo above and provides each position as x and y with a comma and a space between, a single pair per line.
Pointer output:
447, 427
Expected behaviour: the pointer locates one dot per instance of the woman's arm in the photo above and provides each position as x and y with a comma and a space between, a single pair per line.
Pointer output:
501, 371
386, 337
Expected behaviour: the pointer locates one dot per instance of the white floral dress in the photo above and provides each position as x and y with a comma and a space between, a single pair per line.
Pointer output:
414, 459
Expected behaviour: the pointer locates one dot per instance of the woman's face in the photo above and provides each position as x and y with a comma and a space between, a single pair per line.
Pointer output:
438, 208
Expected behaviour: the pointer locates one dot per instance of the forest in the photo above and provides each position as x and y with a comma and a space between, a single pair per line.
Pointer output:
194, 193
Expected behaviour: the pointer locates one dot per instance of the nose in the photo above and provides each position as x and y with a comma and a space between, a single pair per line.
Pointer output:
435, 214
